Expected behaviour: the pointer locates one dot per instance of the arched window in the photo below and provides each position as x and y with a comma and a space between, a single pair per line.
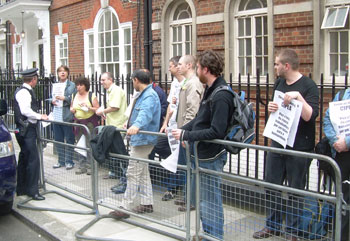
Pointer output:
251, 37
181, 30
108, 45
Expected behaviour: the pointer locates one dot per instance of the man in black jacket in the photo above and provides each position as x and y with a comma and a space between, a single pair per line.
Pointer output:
211, 122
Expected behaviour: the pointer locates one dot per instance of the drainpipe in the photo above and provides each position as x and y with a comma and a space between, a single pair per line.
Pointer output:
148, 35
8, 48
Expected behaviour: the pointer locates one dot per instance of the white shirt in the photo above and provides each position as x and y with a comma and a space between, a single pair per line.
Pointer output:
174, 92
24, 100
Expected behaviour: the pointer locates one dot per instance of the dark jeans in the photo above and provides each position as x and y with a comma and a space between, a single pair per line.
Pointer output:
343, 160
64, 133
293, 169
28, 169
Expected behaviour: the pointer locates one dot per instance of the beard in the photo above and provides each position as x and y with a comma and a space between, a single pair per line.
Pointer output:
202, 79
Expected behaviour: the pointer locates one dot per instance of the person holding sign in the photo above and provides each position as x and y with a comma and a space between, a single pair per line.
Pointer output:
339, 141
279, 167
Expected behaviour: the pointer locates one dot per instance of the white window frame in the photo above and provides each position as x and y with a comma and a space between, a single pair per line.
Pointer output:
58, 40
333, 25
183, 23
122, 62
328, 76
261, 12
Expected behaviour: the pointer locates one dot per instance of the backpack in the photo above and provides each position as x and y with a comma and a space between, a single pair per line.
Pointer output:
241, 126
323, 148
315, 220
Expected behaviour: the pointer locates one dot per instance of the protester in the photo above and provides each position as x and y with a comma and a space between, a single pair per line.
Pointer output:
340, 146
61, 112
26, 107
190, 95
114, 113
162, 147
211, 122
84, 106
145, 116
280, 167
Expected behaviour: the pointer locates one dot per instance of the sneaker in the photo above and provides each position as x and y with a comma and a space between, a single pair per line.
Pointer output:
57, 165
69, 166
80, 171
118, 189
168, 196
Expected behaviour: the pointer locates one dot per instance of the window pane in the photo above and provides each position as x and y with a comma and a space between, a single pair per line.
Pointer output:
258, 28
91, 55
174, 34
91, 41
248, 27
175, 50
65, 43
101, 25
127, 53
248, 46
334, 42
179, 49
61, 53
259, 64
265, 66
240, 27
343, 64
241, 47
61, 45
249, 65
128, 68
188, 33
253, 4
188, 48
115, 38
265, 24
108, 54
179, 34
259, 46
108, 38
344, 41
241, 65
114, 22
110, 68
108, 21
116, 70
331, 17
101, 40
65, 53
341, 17
116, 54
334, 64
265, 46
101, 55
127, 36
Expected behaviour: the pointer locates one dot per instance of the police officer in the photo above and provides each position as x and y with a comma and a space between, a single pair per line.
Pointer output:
26, 116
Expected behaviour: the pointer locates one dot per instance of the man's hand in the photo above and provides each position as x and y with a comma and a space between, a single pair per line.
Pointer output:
133, 130
44, 117
163, 128
60, 98
340, 144
272, 107
99, 112
288, 96
176, 133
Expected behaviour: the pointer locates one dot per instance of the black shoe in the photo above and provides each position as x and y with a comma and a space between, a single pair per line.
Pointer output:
38, 197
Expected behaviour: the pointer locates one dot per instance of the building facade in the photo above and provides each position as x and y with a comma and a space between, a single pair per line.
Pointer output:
109, 35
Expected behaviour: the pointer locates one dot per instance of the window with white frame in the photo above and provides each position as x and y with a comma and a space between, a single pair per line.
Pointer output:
181, 30
251, 37
18, 57
108, 46
61, 43
336, 25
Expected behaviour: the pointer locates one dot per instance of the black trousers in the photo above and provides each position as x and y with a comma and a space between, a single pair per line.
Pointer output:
28, 169
343, 160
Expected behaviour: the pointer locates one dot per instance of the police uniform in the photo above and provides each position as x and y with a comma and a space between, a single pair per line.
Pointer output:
25, 109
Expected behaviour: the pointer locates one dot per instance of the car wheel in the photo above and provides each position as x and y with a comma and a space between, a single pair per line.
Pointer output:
6, 207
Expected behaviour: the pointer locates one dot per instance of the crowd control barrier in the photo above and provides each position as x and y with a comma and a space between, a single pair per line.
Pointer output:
244, 199
62, 178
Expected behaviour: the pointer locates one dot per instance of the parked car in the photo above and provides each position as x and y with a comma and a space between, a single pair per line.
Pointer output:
7, 164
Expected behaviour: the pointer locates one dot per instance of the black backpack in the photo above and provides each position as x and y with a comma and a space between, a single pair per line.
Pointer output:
241, 126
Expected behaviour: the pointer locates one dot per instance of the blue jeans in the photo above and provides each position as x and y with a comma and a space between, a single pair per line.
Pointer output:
211, 208
65, 153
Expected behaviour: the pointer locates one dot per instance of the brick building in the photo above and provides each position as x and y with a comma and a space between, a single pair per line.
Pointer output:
108, 35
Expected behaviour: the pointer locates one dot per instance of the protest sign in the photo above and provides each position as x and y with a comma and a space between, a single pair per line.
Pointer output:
282, 125
339, 113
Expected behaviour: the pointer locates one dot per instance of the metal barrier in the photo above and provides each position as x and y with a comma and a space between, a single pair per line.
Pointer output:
83, 186
243, 227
